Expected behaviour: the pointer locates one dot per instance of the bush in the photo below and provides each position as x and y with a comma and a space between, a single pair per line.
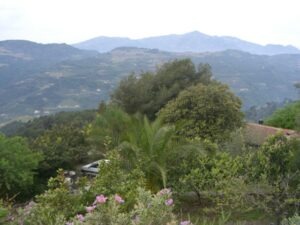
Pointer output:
150, 209
58, 203
17, 167
295, 220
3, 211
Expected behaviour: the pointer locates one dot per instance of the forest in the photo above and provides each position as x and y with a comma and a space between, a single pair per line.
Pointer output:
174, 145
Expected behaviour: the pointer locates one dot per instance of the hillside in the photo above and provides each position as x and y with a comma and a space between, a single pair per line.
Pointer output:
189, 42
80, 80
19, 59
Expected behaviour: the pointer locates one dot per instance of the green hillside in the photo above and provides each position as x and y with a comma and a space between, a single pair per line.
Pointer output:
71, 79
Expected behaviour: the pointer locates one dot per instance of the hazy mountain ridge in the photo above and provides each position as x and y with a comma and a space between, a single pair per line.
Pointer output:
75, 83
189, 42
20, 58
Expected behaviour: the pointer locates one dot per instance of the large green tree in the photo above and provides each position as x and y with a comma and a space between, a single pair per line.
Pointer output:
214, 180
274, 172
205, 111
287, 117
143, 144
17, 166
64, 146
149, 92
149, 146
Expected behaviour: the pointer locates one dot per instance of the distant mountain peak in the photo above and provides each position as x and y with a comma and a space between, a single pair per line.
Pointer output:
194, 41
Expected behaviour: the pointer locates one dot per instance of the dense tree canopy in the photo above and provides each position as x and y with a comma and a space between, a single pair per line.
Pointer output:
36, 127
62, 147
17, 166
148, 93
206, 111
275, 168
287, 117
141, 143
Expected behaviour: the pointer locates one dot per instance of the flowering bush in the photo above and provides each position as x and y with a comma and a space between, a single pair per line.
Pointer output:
113, 178
149, 209
57, 204
62, 206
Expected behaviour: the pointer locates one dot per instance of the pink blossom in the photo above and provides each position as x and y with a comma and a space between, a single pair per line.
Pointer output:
80, 217
90, 208
100, 199
169, 202
119, 199
69, 223
186, 222
165, 191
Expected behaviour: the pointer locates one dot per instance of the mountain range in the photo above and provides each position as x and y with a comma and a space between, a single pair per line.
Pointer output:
189, 42
38, 79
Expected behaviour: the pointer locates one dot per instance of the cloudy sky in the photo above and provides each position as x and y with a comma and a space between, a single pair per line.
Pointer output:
71, 21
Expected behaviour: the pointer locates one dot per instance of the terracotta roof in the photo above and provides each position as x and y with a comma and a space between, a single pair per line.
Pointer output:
256, 134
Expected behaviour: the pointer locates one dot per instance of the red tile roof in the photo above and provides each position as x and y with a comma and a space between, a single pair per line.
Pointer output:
256, 134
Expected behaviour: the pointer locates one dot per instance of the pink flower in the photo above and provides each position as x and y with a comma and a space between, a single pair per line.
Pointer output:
186, 222
100, 199
119, 199
169, 202
90, 208
80, 217
165, 191
69, 223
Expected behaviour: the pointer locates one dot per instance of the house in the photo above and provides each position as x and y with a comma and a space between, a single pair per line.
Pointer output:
256, 134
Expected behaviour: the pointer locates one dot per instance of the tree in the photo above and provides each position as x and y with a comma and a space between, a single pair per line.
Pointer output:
142, 144
148, 146
17, 166
287, 117
275, 170
205, 111
213, 178
151, 91
64, 146
108, 129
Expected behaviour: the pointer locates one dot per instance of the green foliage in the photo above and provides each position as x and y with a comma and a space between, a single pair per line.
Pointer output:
288, 117
110, 213
149, 209
141, 144
3, 211
149, 147
294, 220
17, 166
79, 79
256, 113
64, 146
60, 139
58, 203
114, 178
108, 129
149, 93
274, 174
209, 112
154, 209
213, 178
36, 127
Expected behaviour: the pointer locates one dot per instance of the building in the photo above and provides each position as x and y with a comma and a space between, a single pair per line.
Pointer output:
256, 134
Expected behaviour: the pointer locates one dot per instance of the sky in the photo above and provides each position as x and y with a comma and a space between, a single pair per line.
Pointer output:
73, 21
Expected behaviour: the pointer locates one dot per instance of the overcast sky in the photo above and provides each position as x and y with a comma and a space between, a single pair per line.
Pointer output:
71, 21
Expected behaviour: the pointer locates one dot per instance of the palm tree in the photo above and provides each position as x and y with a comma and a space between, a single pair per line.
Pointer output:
107, 130
149, 145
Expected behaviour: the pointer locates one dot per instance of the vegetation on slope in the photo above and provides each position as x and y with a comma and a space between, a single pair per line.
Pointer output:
154, 170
